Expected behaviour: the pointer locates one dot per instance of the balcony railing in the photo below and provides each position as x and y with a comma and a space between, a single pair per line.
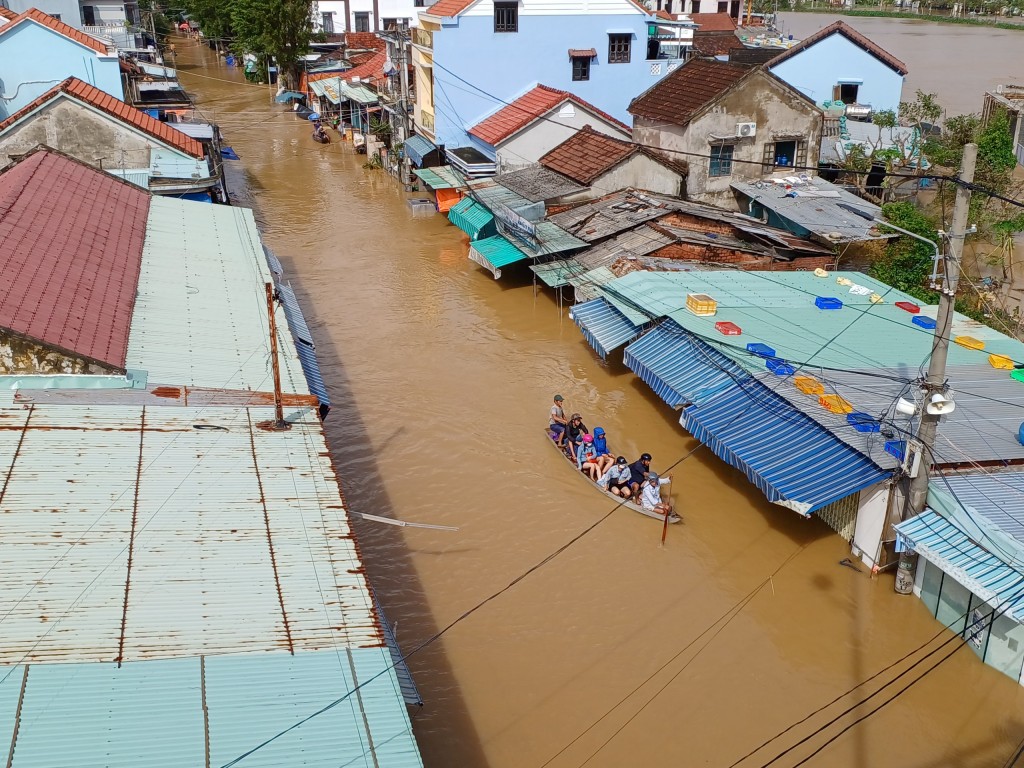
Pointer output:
424, 38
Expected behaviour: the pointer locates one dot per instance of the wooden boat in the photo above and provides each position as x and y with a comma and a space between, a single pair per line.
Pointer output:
325, 139
673, 518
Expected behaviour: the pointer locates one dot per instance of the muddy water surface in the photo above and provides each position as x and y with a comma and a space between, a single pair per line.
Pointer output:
618, 652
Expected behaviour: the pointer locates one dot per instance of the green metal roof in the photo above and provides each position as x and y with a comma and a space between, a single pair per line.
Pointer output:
358, 93
493, 253
554, 273
440, 178
472, 218
778, 309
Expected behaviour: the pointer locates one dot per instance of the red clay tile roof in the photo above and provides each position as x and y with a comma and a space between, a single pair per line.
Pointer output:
588, 154
715, 43
34, 14
529, 107
371, 69
851, 34
714, 22
582, 53
448, 8
93, 96
366, 41
71, 240
665, 15
678, 97
7, 14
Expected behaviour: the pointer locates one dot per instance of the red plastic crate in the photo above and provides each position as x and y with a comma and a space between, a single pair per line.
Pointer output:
908, 306
726, 328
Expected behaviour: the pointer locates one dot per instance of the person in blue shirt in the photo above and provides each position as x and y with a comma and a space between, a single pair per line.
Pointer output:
586, 457
604, 456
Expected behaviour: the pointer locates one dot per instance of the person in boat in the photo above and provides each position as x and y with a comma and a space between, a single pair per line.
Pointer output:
617, 479
319, 131
650, 494
574, 432
557, 422
587, 459
640, 469
604, 456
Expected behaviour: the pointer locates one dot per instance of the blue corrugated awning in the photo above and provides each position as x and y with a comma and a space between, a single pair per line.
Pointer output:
792, 459
304, 347
944, 545
603, 326
680, 368
473, 219
416, 148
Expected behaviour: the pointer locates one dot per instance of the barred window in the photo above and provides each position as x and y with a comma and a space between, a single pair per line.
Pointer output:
506, 17
618, 48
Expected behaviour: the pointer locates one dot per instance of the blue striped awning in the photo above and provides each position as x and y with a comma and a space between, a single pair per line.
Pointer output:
603, 326
679, 367
792, 459
304, 347
416, 148
939, 541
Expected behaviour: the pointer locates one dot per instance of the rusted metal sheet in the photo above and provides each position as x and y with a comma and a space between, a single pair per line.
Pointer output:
205, 488
199, 318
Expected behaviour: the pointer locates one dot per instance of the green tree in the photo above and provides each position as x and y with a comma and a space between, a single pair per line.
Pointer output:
278, 28
213, 16
907, 263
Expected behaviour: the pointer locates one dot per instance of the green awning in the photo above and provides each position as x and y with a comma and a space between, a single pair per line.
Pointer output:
557, 273
472, 218
326, 88
493, 253
360, 94
440, 178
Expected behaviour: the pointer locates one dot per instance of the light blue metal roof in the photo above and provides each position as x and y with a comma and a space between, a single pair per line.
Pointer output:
304, 346
680, 368
603, 326
997, 496
943, 544
416, 147
360, 94
794, 461
152, 712
253, 698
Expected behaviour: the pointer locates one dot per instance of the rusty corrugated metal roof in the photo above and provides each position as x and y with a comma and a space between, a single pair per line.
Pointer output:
237, 535
70, 249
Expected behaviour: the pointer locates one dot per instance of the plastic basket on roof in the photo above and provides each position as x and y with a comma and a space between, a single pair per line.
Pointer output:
827, 302
726, 328
809, 385
969, 342
835, 403
924, 322
761, 350
1002, 362
779, 367
863, 422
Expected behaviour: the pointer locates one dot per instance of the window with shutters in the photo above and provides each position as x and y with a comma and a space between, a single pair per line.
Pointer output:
506, 17
580, 67
618, 48
785, 153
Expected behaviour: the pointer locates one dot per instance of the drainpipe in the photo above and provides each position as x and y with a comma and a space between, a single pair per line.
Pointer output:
376, 16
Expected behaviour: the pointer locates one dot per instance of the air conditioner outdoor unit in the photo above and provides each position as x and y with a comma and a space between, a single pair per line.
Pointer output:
746, 130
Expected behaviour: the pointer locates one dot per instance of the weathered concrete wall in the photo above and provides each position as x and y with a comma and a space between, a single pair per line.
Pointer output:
776, 109
85, 135
19, 355
638, 172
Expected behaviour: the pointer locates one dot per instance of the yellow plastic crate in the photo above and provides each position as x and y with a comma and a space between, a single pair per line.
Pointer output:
701, 304
808, 385
1002, 362
970, 342
835, 403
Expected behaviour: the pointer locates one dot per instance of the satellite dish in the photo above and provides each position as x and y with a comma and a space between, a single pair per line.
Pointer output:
939, 405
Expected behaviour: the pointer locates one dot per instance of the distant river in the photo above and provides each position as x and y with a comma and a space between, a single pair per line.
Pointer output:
956, 61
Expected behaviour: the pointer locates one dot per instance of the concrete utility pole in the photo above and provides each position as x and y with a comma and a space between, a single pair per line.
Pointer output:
404, 53
936, 381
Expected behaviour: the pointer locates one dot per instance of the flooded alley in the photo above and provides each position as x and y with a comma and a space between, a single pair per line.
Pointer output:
616, 651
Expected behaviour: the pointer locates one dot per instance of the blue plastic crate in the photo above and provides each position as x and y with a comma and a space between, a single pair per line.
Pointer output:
761, 350
827, 302
897, 448
923, 321
863, 422
779, 367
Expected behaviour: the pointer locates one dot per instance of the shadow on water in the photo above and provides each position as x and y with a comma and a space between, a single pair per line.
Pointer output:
384, 553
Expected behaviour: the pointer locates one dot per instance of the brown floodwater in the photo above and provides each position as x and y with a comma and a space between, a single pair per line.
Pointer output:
617, 652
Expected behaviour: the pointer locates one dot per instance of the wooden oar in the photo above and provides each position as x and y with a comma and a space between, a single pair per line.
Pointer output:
664, 526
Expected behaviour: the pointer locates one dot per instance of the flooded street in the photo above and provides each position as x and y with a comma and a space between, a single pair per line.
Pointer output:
617, 652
